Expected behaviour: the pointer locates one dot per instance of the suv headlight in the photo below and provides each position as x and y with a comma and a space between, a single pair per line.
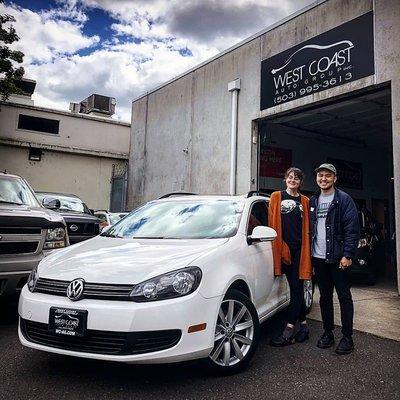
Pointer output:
168, 286
362, 243
55, 238
33, 277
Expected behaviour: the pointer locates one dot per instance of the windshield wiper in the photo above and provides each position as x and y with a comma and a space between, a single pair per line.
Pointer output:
11, 202
107, 234
148, 237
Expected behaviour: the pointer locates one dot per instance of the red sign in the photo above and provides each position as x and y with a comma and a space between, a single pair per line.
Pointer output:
274, 161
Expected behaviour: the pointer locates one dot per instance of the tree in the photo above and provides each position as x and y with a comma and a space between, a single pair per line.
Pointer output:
9, 72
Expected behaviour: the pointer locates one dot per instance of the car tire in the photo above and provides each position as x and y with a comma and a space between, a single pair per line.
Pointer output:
308, 290
237, 333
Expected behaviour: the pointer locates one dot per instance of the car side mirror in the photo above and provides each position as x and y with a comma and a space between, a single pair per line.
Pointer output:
104, 229
261, 234
51, 202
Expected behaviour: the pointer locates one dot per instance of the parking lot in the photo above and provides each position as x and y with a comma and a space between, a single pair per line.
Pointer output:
298, 371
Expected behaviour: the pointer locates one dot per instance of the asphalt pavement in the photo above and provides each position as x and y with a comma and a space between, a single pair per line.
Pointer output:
300, 371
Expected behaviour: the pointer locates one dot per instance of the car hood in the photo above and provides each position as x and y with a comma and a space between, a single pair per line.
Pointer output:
76, 216
124, 261
26, 215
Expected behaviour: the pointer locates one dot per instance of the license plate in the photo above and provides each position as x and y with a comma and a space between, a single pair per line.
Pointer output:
64, 321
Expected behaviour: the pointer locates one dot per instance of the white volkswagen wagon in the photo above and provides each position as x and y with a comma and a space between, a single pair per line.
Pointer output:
180, 278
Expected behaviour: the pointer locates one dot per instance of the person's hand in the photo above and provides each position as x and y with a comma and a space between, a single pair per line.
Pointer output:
345, 263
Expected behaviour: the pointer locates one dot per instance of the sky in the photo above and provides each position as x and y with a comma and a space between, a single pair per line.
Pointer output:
123, 48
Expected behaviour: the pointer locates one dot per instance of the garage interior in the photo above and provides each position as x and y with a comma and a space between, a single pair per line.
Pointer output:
355, 134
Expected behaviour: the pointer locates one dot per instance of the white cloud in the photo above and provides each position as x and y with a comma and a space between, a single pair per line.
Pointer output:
144, 51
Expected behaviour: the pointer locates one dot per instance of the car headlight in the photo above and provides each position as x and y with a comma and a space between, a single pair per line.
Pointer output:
55, 238
168, 286
362, 243
33, 277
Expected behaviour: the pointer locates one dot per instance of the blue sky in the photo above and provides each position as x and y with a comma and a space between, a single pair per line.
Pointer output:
122, 48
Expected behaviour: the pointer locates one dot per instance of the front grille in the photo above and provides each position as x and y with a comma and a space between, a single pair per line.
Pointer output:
83, 228
99, 291
102, 342
18, 247
12, 230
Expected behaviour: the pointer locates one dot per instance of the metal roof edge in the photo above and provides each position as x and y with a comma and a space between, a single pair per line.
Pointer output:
234, 47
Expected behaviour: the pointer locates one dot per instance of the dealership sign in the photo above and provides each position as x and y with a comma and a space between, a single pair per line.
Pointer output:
274, 161
341, 55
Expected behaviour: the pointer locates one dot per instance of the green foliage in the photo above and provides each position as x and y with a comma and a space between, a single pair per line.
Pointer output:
9, 72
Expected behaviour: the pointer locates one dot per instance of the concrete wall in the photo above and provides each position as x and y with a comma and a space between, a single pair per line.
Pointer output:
87, 177
77, 132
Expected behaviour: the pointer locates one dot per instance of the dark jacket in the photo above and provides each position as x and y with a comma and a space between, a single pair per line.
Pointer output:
342, 226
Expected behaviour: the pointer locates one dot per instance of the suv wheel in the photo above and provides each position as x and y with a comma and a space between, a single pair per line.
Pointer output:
308, 287
236, 334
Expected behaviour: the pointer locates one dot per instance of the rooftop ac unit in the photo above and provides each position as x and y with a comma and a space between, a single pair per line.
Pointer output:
97, 103
75, 107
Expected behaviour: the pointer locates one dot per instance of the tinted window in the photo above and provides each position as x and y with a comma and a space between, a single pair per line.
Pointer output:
258, 216
37, 124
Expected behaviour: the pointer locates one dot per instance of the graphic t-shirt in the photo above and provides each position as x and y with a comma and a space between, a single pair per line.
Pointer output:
319, 244
292, 219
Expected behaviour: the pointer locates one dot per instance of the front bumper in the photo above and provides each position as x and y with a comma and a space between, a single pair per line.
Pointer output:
125, 316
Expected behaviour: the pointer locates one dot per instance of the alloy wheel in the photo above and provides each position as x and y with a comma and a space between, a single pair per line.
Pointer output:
234, 333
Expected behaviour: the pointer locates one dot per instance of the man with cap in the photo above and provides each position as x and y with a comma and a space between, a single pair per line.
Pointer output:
335, 234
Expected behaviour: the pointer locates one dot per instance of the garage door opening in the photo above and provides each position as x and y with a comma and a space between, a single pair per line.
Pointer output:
354, 134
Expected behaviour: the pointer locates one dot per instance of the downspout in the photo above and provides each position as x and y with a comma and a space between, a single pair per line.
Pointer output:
234, 88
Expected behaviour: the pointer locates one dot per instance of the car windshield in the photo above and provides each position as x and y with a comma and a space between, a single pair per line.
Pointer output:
67, 203
16, 191
181, 220
114, 218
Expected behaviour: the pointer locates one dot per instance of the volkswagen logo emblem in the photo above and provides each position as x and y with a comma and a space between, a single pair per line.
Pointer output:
75, 289
73, 228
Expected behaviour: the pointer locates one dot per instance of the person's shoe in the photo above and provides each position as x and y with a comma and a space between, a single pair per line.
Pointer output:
303, 334
345, 346
286, 338
326, 340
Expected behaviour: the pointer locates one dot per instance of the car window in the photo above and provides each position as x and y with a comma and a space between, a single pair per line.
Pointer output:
258, 216
16, 191
101, 217
181, 219
67, 203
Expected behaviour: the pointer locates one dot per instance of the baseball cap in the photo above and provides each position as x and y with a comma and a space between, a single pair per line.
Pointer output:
329, 167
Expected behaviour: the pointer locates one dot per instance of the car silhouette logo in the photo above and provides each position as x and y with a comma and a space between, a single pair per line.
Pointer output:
73, 228
75, 289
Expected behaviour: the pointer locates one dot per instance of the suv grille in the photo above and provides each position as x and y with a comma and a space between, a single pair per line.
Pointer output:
83, 228
100, 291
102, 342
18, 247
20, 231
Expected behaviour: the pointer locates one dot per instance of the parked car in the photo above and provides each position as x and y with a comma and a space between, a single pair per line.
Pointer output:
180, 278
370, 254
108, 218
27, 232
81, 223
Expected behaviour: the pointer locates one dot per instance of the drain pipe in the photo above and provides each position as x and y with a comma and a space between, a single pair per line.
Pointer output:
234, 88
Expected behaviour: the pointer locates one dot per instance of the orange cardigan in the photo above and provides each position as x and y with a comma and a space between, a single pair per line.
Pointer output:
280, 249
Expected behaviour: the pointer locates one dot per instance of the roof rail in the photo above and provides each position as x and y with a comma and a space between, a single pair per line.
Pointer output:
177, 194
257, 193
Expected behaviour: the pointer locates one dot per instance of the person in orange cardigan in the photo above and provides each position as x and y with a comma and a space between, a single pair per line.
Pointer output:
288, 214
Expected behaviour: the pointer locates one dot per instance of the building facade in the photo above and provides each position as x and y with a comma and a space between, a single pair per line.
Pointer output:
64, 152
321, 85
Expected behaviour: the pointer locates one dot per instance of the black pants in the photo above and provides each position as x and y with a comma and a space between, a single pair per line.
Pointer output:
330, 276
297, 307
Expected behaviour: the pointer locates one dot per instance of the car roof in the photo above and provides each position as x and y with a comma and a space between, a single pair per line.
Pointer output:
58, 194
10, 175
210, 197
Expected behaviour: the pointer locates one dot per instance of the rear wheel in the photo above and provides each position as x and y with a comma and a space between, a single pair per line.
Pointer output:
308, 288
236, 334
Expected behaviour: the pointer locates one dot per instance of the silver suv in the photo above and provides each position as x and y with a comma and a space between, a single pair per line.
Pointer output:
28, 232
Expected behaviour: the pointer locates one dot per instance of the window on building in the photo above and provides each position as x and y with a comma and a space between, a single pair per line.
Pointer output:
258, 216
38, 124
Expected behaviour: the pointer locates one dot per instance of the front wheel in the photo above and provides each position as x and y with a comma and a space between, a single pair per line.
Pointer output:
236, 334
